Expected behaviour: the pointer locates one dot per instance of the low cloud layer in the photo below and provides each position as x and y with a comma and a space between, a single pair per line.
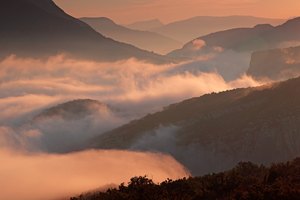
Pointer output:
51, 177
29, 86
59, 78
27, 146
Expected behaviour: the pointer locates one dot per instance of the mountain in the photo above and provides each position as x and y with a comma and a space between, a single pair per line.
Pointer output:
41, 28
146, 25
142, 39
189, 29
287, 31
275, 64
260, 37
75, 109
213, 132
68, 126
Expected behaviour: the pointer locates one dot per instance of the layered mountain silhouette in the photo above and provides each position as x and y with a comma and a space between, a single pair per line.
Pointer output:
40, 28
215, 131
275, 64
142, 39
189, 29
260, 37
146, 25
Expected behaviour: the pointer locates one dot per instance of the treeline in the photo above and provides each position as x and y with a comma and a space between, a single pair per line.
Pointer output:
245, 181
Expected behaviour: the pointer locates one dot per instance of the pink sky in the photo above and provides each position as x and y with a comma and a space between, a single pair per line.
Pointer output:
127, 11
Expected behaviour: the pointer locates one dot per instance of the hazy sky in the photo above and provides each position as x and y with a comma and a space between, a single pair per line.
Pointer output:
126, 11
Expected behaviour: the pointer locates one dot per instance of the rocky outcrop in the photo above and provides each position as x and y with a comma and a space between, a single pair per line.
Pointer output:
276, 64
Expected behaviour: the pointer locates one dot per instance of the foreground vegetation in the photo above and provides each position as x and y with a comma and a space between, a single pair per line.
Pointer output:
245, 181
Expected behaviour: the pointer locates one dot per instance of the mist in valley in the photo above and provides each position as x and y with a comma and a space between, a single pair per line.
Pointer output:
133, 88
39, 150
88, 103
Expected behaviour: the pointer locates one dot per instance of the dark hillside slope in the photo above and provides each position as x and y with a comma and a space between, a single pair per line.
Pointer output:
214, 131
40, 28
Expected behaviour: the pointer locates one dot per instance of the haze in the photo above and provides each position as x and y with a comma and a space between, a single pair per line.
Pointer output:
171, 10
87, 103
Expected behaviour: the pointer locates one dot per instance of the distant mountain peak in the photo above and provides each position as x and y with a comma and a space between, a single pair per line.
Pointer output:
105, 20
146, 25
294, 21
263, 26
49, 6
74, 109
150, 21
39, 28
154, 21
260, 37
142, 39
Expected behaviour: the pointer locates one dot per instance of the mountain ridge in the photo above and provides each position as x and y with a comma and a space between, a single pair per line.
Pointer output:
42, 29
150, 41
203, 25
259, 37
145, 25
256, 124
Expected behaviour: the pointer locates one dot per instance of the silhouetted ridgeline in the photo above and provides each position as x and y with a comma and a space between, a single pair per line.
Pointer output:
188, 29
41, 29
142, 39
260, 37
245, 181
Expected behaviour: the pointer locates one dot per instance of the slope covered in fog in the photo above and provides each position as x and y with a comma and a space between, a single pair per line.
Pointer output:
213, 132
275, 64
40, 28
142, 39
263, 36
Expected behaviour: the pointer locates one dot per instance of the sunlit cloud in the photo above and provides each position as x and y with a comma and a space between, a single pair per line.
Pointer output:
29, 86
50, 177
